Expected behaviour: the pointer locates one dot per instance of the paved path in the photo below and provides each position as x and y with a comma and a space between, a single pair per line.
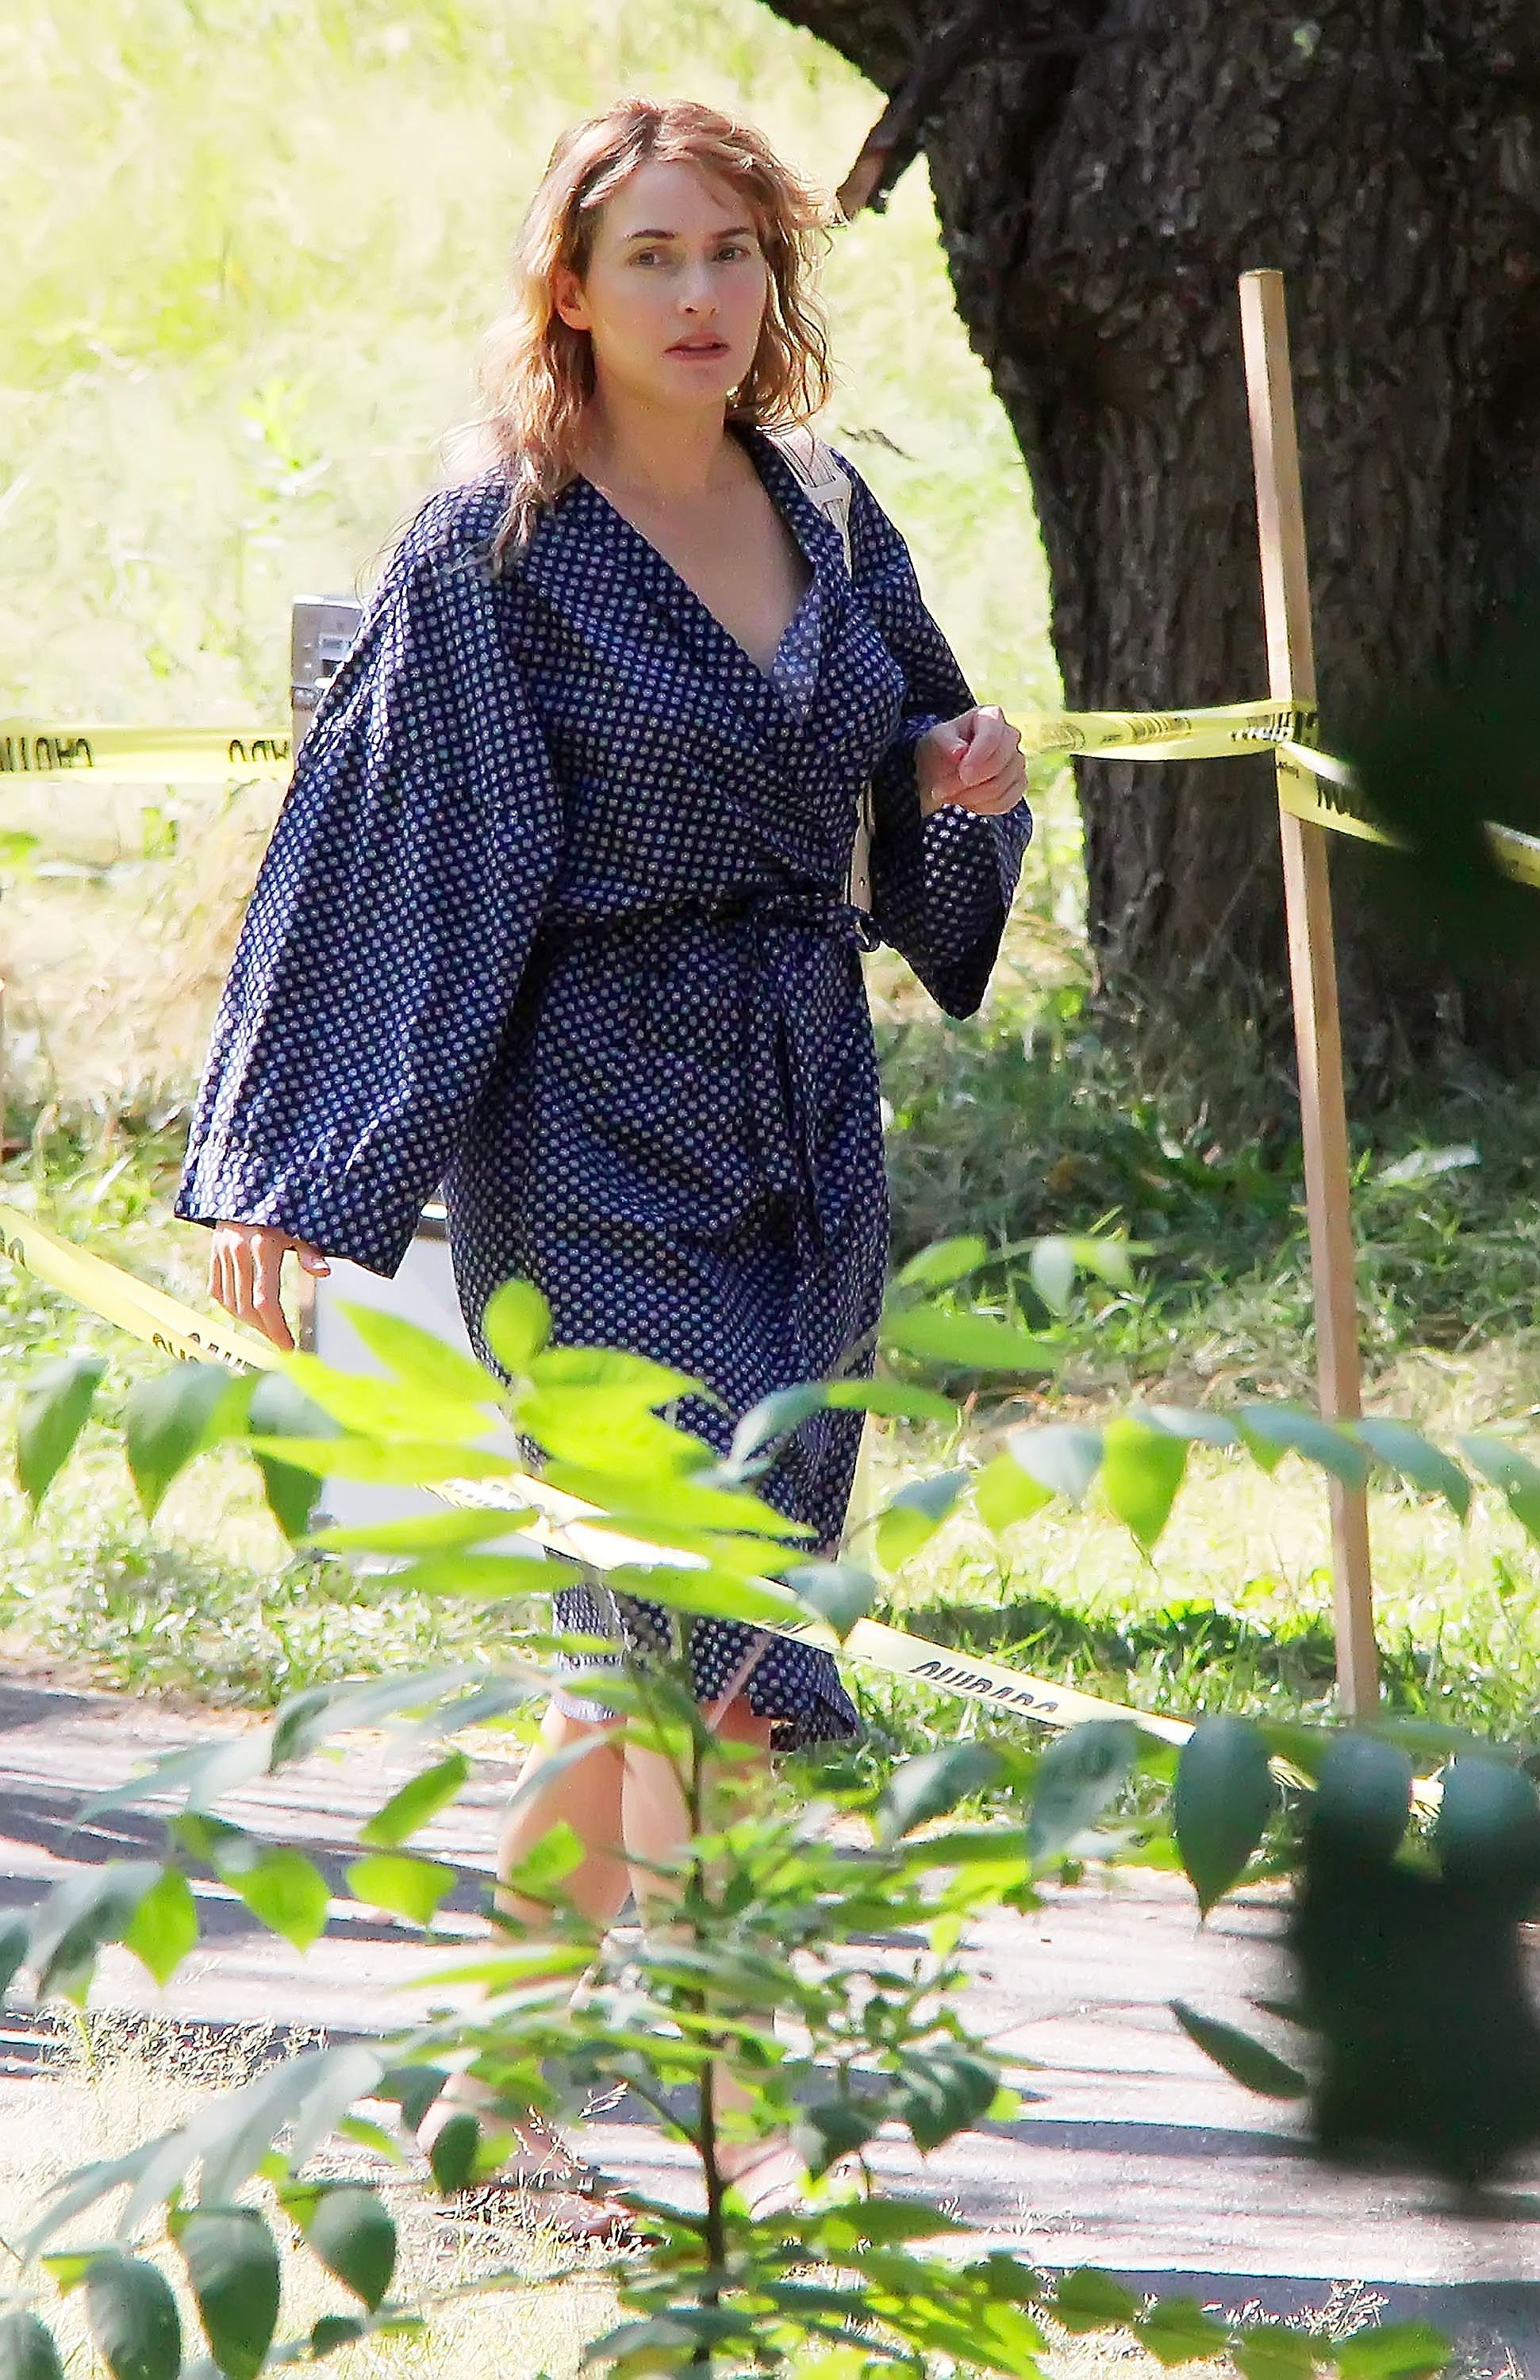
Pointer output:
1136, 2152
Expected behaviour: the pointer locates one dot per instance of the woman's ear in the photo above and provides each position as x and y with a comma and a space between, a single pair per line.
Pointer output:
567, 296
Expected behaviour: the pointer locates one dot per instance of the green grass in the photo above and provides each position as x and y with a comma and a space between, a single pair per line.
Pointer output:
208, 1605
251, 248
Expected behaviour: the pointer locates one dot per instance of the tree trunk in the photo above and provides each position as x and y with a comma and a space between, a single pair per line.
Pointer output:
1103, 170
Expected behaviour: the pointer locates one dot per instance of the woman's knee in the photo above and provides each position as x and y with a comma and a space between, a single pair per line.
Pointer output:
739, 1724
562, 1729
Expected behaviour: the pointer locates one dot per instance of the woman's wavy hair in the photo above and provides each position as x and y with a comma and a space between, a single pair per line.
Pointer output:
535, 373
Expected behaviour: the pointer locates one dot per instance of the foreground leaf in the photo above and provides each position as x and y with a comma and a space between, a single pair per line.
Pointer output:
944, 1262
133, 2318
927, 1787
1512, 1473
1272, 1431
1272, 2351
169, 1418
451, 2156
1224, 1798
53, 1413
428, 1363
406, 1887
973, 1343
1077, 1777
945, 2089
1363, 1794
164, 1926
1403, 2350
1088, 2300
422, 1533
911, 1518
279, 1409
380, 1462
829, 2129
83, 1913
1247, 2061
719, 1593
1003, 1494
1141, 1470
896, 1399
1406, 1452
516, 1325
1176, 2330
1487, 1834
416, 1802
481, 1575
840, 1593
233, 2269
1061, 1456
354, 2237
284, 1890
26, 2349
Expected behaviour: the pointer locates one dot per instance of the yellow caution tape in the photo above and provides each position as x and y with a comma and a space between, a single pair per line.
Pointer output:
143, 756
1316, 787
1312, 785
176, 1329
148, 1313
222, 755
1226, 731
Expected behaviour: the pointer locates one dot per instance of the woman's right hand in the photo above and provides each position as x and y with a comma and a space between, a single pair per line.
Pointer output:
245, 1264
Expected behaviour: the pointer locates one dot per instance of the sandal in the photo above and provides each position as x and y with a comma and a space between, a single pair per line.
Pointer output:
582, 2213
774, 2183
565, 2195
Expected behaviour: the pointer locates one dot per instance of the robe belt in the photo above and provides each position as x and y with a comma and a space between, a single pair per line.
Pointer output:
782, 1099
767, 905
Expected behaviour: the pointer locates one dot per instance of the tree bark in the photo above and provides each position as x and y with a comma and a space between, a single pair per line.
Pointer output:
1103, 170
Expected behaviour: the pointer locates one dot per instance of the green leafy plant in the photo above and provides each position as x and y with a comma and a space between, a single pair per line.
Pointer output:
772, 1911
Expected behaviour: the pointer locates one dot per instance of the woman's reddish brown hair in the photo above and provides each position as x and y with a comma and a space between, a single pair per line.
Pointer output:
535, 373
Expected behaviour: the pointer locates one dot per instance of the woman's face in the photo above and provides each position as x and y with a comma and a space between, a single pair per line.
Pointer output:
675, 290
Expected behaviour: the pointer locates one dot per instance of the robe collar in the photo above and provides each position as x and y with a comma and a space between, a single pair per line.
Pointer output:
593, 567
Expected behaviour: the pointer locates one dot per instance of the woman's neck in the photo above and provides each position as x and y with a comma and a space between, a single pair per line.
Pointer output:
653, 451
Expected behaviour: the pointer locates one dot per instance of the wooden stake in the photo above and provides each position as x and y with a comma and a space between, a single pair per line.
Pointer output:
1312, 968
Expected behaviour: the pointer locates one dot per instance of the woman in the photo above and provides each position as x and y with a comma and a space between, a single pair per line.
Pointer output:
554, 913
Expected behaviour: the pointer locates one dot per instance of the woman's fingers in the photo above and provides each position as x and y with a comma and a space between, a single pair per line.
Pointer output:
246, 1268
988, 771
267, 1306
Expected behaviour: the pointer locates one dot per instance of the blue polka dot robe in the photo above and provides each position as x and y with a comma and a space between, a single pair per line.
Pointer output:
553, 918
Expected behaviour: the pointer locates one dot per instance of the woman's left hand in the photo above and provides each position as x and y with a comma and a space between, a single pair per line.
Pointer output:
974, 762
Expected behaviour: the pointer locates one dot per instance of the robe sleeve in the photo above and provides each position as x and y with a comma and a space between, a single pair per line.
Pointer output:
384, 946
942, 886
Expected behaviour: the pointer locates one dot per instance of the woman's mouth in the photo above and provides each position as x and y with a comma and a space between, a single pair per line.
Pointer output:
698, 347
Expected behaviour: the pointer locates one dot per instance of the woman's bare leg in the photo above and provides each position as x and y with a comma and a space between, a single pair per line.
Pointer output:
587, 1796
624, 1803
657, 1828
